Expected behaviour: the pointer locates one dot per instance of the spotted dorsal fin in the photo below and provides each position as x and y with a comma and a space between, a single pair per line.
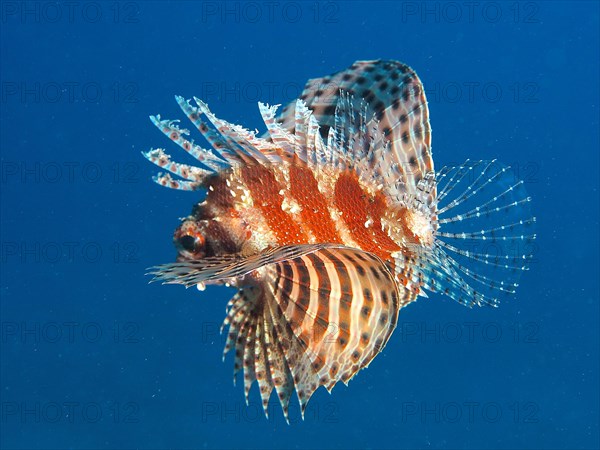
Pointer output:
395, 104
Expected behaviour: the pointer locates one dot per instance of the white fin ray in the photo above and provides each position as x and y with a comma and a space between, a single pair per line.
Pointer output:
213, 136
480, 250
280, 137
488, 236
238, 140
218, 268
354, 143
166, 180
187, 172
170, 128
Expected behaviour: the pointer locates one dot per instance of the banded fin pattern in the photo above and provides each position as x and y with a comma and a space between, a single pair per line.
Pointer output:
312, 321
192, 271
353, 143
308, 316
232, 144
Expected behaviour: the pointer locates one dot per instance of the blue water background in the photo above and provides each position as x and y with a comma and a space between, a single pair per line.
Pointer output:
92, 356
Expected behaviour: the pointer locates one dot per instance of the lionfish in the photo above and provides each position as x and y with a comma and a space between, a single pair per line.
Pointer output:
333, 221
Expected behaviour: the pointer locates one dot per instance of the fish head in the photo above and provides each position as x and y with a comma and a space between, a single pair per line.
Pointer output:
211, 230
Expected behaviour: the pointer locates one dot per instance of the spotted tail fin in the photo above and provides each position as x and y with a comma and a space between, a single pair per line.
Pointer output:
484, 234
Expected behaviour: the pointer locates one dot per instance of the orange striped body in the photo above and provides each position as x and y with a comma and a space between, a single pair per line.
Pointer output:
289, 204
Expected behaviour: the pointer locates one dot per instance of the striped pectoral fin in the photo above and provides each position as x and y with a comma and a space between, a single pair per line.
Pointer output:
321, 317
342, 305
219, 268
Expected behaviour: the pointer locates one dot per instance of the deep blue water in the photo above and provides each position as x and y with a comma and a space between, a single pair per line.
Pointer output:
92, 356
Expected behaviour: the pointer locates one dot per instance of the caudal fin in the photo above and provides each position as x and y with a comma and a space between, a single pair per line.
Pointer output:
484, 233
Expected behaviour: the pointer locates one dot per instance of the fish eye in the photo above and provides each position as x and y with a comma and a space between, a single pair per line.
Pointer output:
192, 244
189, 243
189, 240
